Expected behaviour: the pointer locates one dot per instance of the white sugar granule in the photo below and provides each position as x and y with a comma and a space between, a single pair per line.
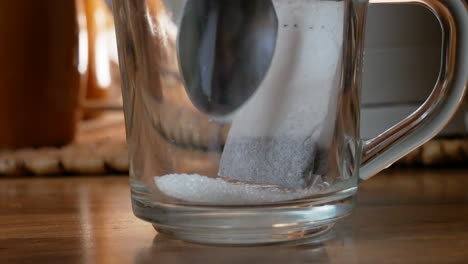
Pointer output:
201, 189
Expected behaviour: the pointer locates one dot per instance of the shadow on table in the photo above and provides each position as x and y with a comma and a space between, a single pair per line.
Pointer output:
165, 250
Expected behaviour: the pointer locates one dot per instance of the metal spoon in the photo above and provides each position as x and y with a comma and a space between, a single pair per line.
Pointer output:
225, 49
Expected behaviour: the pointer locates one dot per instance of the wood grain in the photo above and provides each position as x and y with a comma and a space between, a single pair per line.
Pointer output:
403, 216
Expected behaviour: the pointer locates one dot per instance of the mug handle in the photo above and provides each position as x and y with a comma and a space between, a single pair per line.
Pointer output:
380, 152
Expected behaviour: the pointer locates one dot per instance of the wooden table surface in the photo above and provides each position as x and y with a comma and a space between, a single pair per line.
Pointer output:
403, 216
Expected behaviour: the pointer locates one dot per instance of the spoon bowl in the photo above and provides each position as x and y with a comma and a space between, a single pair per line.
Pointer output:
225, 49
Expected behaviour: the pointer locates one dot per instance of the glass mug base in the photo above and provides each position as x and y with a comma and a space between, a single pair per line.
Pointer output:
242, 225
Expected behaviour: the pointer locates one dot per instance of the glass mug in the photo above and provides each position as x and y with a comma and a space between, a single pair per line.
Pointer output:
285, 165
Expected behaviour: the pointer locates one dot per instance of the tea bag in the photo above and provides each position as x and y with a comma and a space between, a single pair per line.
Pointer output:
281, 135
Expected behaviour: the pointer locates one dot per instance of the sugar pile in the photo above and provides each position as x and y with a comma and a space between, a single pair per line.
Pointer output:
196, 188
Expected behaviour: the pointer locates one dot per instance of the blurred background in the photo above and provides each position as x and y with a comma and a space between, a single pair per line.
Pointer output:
61, 107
